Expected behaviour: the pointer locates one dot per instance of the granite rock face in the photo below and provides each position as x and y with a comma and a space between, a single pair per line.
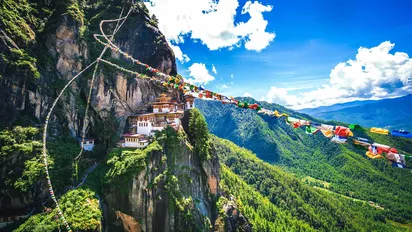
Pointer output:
67, 52
147, 200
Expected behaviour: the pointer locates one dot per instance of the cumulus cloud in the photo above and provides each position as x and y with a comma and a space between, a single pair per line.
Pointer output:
279, 96
375, 73
214, 69
231, 75
213, 22
183, 58
246, 94
199, 74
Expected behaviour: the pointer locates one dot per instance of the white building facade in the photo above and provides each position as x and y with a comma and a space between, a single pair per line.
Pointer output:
88, 144
135, 141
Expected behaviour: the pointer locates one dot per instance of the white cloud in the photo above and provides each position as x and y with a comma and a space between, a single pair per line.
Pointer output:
280, 96
256, 26
213, 22
231, 75
214, 69
375, 73
200, 74
224, 86
246, 94
183, 58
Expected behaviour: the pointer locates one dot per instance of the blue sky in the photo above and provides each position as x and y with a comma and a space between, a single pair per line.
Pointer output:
310, 39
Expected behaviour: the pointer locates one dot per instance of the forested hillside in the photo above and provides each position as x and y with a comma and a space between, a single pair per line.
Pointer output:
268, 193
343, 169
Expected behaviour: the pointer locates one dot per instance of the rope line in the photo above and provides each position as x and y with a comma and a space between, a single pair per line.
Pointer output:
86, 116
44, 150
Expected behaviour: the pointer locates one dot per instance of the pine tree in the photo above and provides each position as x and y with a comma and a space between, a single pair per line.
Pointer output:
199, 134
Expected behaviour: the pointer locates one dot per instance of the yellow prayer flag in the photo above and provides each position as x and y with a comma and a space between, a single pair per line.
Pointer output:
379, 131
327, 133
277, 114
373, 156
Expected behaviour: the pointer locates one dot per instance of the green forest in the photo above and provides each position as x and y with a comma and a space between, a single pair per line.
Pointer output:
342, 169
255, 182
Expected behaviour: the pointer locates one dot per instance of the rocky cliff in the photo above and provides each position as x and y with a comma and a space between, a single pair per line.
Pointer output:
43, 44
36, 64
174, 191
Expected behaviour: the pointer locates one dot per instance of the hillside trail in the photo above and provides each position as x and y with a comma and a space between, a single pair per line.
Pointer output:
370, 203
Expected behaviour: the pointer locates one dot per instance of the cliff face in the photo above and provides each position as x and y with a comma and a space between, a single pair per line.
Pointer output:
177, 188
44, 44
175, 191
65, 46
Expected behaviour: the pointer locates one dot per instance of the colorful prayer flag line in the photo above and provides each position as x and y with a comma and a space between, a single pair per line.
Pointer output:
339, 134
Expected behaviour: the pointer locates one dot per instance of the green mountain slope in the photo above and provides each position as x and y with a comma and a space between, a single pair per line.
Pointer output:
393, 113
344, 167
265, 190
263, 214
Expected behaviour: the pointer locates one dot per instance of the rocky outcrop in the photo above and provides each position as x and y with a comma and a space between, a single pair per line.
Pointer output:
129, 223
176, 191
231, 219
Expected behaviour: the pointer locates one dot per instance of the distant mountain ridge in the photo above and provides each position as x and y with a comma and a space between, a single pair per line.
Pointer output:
339, 106
393, 113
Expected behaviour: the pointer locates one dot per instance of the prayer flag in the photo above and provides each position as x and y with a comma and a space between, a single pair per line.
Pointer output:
373, 156
326, 130
401, 133
311, 130
379, 131
355, 127
343, 131
339, 139
394, 157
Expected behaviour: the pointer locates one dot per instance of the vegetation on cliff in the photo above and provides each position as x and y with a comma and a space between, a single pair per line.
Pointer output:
199, 134
20, 153
124, 164
81, 209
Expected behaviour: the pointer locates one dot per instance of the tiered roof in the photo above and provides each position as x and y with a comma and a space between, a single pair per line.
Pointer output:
164, 99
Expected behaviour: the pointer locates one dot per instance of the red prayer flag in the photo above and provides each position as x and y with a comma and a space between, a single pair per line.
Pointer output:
343, 131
